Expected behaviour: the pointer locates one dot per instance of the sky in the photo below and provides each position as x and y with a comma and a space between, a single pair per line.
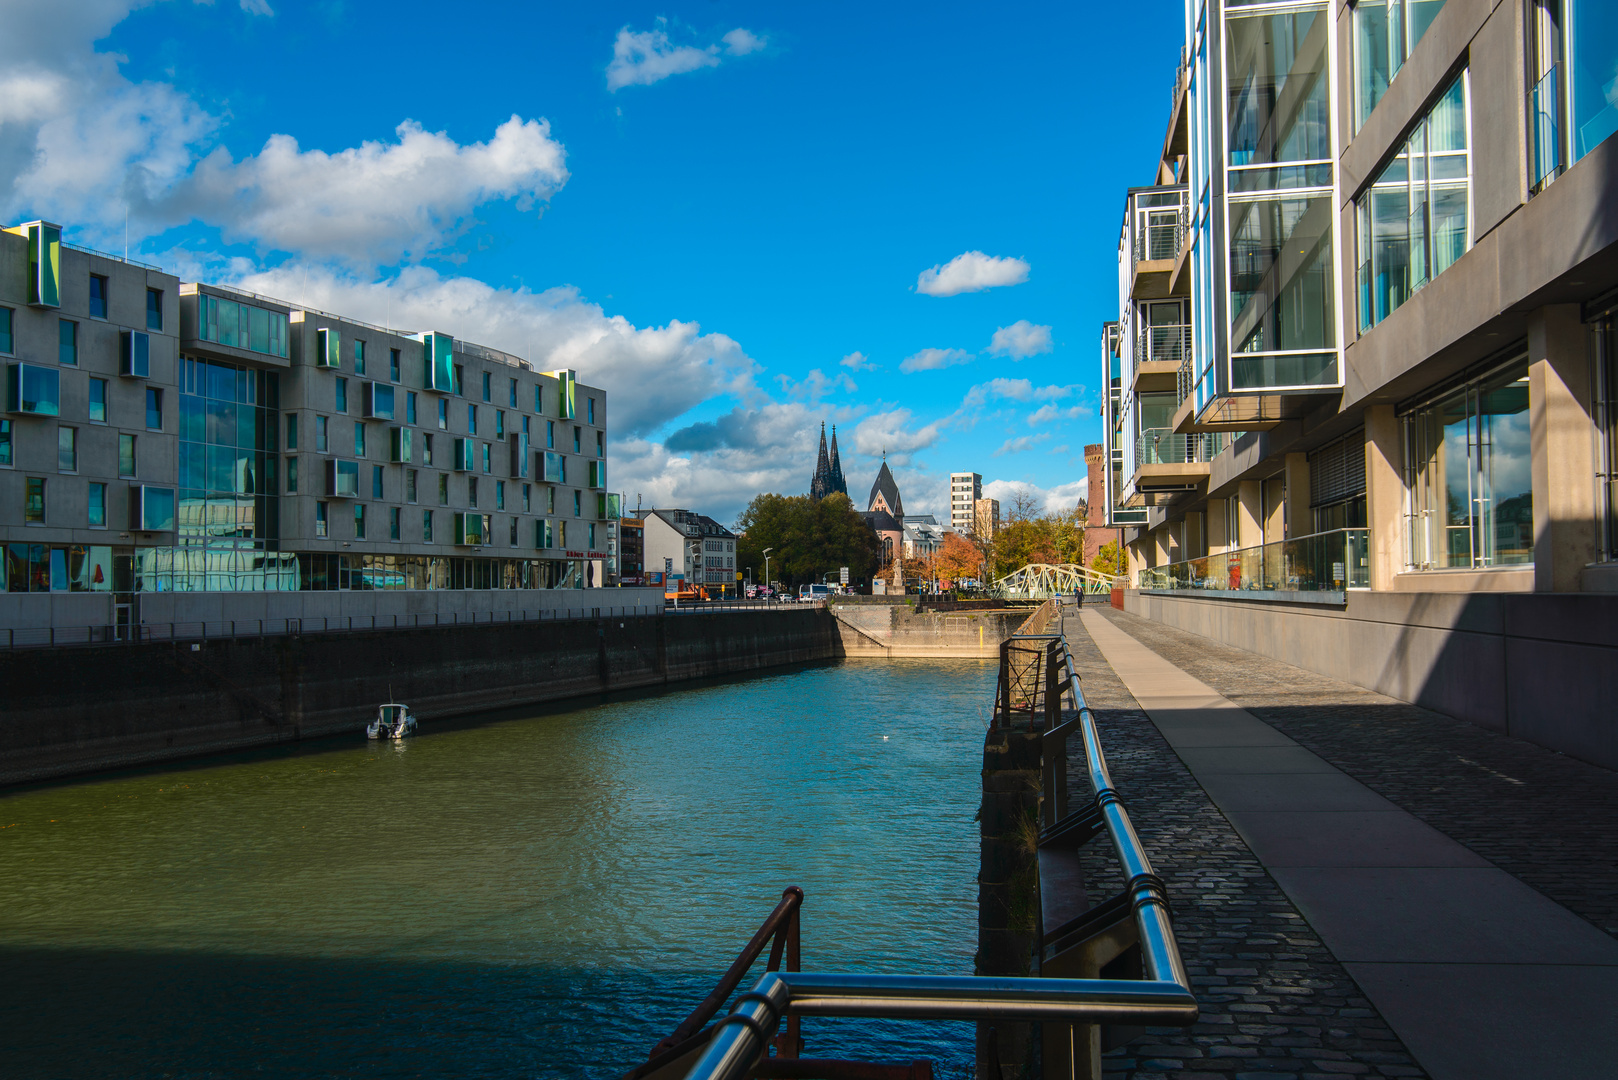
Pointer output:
740, 220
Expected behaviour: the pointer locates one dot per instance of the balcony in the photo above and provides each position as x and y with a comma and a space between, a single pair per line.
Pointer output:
1316, 569
1168, 465
1156, 232
1160, 352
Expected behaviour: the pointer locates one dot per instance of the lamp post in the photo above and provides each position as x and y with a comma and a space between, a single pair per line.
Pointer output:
767, 566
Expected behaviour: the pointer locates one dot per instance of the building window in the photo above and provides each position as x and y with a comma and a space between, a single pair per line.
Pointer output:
471, 419
67, 336
513, 532
1413, 219
443, 489
33, 510
154, 409
460, 371
471, 491
550, 434
320, 519
410, 406
376, 482
98, 296
98, 506
5, 442
359, 358
499, 423
359, 521
601, 444
487, 386
513, 400
539, 399
427, 526
359, 439
1385, 34
410, 485
426, 449
126, 456
592, 535
499, 494
320, 434
67, 449
577, 433
526, 501
393, 523
486, 462
292, 476
342, 395
154, 309
393, 366
590, 410
7, 345
443, 414
1468, 475
576, 504
98, 400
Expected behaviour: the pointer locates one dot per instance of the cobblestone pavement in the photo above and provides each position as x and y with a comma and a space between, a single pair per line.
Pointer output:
1275, 1003
1543, 817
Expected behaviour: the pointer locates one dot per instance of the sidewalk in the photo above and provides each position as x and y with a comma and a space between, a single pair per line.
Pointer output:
1477, 973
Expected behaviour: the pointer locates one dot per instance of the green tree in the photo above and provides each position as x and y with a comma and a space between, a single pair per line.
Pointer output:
809, 539
1111, 559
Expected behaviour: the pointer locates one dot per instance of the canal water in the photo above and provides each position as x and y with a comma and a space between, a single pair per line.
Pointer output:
537, 896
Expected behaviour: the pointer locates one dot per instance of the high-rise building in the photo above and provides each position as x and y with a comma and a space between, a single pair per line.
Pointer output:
985, 518
965, 489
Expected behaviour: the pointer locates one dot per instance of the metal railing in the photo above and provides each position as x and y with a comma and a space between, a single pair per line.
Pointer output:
1042, 581
1163, 344
1326, 563
225, 629
109, 255
1161, 446
1162, 997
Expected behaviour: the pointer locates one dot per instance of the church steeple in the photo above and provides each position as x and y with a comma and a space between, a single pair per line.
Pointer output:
820, 483
838, 484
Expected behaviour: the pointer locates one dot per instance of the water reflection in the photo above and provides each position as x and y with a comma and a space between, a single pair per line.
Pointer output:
545, 896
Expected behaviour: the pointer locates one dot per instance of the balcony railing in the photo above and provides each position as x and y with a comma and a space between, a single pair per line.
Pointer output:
1318, 567
1161, 446
1163, 344
1157, 236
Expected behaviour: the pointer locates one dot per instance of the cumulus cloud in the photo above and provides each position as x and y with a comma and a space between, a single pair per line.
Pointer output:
373, 204
652, 374
1055, 412
643, 57
257, 7
1050, 500
857, 361
1021, 339
933, 359
972, 271
1020, 443
816, 385
895, 433
1012, 390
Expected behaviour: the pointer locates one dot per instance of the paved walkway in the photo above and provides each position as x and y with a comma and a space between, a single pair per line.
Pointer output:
1478, 974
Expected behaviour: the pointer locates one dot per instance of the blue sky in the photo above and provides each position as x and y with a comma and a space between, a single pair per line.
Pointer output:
711, 226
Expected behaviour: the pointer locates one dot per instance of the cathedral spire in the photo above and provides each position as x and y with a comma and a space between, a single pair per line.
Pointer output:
820, 483
838, 484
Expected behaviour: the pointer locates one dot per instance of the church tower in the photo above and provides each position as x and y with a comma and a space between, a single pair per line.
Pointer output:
838, 484
820, 483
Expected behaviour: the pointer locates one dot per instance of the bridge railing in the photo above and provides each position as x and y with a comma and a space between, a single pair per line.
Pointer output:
1044, 694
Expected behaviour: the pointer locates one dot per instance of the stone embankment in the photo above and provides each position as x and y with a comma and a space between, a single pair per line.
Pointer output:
897, 630
76, 710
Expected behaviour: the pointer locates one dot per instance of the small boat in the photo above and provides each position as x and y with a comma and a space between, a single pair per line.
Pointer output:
393, 721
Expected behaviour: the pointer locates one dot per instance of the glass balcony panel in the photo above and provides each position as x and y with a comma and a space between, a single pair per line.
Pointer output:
1324, 564
1594, 47
1278, 100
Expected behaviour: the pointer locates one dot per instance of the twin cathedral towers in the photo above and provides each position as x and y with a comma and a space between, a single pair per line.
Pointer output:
828, 476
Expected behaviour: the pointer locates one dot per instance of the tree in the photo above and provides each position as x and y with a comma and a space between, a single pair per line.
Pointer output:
958, 560
809, 539
1111, 559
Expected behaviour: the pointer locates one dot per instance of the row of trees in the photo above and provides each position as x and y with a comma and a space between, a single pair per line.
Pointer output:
810, 539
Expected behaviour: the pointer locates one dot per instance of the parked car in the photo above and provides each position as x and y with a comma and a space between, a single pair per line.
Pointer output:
810, 593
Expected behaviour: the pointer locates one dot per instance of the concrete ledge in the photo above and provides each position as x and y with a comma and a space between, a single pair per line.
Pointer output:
1258, 596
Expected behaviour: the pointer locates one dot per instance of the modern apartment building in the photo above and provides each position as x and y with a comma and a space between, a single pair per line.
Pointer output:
693, 545
965, 489
1365, 336
985, 518
164, 440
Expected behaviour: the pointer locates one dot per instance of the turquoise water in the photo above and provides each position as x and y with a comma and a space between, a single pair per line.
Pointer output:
544, 896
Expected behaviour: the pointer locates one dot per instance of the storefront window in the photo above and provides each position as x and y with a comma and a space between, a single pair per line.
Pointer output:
1469, 475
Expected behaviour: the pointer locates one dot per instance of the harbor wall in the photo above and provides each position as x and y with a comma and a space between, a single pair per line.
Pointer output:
895, 630
77, 710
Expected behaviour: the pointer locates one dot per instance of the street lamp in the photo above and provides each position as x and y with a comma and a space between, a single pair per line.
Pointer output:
767, 566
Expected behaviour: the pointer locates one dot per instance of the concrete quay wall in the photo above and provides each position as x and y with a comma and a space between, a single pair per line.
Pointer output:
1538, 666
896, 630
77, 710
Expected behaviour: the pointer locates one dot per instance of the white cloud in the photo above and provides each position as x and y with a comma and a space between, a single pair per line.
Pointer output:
373, 204
1021, 339
1020, 443
1053, 499
1055, 412
972, 271
1012, 390
816, 385
740, 42
896, 434
641, 58
257, 7
857, 361
652, 375
933, 359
